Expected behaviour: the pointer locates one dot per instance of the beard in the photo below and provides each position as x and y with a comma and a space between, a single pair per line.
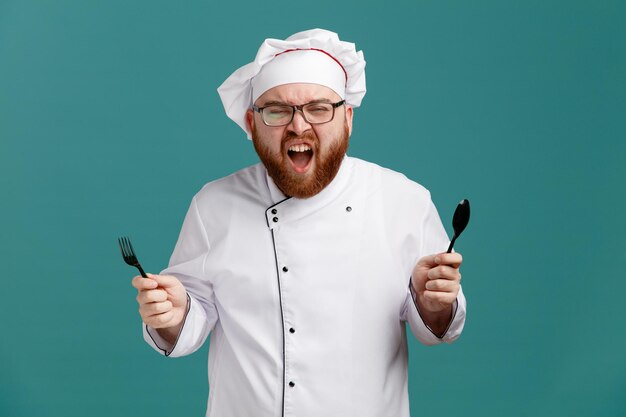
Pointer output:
305, 185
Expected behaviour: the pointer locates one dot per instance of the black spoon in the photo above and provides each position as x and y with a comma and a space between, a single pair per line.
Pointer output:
459, 220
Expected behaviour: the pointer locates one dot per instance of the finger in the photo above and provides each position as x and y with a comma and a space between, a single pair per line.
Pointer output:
445, 298
151, 296
444, 272
442, 285
165, 281
142, 283
160, 320
453, 259
152, 309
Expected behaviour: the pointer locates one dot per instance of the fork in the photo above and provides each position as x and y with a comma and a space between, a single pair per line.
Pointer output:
129, 254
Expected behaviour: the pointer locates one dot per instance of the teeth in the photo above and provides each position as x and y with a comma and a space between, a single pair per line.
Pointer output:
299, 148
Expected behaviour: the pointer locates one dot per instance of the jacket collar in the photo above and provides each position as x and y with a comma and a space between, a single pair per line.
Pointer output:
286, 209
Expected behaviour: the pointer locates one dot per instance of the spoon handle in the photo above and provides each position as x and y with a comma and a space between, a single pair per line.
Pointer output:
451, 244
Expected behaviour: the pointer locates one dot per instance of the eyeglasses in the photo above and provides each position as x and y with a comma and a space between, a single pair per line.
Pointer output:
282, 114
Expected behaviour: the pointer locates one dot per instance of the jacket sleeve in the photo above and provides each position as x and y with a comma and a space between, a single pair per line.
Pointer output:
433, 240
187, 264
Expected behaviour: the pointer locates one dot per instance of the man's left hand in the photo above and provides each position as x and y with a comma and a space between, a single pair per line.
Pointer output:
436, 281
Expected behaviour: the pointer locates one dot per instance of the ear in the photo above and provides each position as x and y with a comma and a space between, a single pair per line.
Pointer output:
349, 114
250, 120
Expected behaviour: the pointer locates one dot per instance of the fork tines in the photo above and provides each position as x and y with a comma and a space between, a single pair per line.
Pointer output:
128, 253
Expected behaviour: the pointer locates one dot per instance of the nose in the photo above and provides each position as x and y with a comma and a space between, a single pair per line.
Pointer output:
298, 125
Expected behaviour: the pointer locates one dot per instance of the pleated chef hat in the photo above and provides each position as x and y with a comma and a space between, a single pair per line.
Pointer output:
314, 56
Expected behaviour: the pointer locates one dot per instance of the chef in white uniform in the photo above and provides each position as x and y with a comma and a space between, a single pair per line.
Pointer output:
305, 267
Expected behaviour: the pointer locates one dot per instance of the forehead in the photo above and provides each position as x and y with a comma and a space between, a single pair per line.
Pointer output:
298, 93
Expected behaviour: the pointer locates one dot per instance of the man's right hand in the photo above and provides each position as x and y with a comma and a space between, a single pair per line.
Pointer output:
162, 303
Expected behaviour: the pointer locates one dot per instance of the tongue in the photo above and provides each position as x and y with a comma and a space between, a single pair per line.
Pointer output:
300, 160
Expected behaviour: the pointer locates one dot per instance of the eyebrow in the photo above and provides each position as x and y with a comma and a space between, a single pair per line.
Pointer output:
282, 103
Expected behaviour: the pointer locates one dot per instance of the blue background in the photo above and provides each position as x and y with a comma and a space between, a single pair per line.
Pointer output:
110, 122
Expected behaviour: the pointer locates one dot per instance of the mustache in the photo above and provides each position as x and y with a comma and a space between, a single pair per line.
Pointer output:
308, 136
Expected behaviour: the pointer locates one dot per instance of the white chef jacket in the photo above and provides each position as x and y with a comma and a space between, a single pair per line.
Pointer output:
306, 299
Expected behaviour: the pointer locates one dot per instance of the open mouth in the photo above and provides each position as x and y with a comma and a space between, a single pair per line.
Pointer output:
300, 156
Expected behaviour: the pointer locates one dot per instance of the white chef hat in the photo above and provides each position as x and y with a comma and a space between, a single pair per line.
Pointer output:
314, 56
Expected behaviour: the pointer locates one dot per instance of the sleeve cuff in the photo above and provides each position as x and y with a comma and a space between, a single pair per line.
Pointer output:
424, 333
157, 342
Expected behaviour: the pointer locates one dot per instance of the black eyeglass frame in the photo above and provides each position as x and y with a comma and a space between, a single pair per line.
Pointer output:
298, 108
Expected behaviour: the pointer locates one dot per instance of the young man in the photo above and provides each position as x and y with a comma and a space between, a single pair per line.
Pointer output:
304, 268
